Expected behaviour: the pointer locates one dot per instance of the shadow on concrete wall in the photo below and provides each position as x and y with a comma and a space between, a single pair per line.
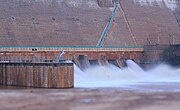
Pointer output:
171, 55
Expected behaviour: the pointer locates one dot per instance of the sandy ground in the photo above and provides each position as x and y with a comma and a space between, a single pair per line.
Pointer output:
87, 99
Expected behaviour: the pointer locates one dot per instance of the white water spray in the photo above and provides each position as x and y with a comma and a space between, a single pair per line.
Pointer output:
112, 76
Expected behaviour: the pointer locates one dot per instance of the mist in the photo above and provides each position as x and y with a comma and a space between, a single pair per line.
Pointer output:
112, 76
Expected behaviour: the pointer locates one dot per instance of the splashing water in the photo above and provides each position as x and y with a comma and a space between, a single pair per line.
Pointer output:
112, 76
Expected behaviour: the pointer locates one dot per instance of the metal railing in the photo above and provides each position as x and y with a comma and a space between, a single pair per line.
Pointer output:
68, 48
31, 59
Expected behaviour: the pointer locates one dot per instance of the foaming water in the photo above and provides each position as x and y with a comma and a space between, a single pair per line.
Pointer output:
112, 76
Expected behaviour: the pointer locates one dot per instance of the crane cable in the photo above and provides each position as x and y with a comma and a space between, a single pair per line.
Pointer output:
128, 24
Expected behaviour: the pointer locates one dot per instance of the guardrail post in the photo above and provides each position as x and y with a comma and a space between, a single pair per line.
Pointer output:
20, 59
48, 59
34, 59
43, 59
29, 60
24, 59
16, 58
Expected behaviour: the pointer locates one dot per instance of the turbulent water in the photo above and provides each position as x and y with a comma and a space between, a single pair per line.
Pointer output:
112, 76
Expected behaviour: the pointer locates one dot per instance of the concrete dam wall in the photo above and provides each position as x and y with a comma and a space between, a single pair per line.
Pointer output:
81, 22
156, 54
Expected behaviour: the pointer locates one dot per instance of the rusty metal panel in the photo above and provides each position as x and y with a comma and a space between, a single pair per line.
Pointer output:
49, 76
23, 83
59, 77
70, 76
20, 81
1, 74
8, 72
46, 75
11, 74
27, 76
31, 75
34, 77
65, 72
41, 76
62, 76
15, 75
20, 75
110, 55
55, 76
4, 75
38, 74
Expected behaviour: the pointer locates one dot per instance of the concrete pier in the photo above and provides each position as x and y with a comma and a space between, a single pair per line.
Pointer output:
154, 54
41, 75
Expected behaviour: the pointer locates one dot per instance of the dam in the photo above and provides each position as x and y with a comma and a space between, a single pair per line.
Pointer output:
83, 22
84, 54
90, 32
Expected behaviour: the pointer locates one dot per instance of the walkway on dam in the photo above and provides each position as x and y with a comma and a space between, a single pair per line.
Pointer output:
69, 48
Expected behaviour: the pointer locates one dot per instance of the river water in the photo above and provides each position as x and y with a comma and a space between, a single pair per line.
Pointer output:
160, 78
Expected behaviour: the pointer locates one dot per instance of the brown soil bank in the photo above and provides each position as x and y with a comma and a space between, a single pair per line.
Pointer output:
87, 99
81, 22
